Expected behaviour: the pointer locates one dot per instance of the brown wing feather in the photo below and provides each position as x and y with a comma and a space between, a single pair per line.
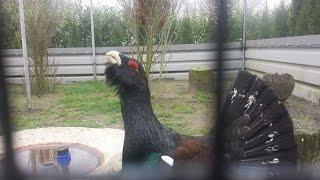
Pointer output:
192, 151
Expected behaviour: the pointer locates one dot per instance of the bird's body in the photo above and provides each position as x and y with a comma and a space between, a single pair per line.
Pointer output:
257, 130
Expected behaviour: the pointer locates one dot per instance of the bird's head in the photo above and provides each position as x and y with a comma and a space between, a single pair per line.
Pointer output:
125, 72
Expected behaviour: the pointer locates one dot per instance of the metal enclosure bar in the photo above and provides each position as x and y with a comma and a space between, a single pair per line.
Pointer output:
222, 33
9, 167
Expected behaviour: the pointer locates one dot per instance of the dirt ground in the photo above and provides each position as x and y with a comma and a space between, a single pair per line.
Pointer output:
305, 115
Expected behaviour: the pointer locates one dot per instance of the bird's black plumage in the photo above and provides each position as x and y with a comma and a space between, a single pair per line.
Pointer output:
144, 134
258, 130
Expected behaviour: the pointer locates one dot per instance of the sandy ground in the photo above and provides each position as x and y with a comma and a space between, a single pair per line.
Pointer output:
107, 142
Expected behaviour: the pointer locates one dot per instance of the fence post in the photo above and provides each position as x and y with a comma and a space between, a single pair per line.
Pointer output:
25, 53
93, 42
244, 28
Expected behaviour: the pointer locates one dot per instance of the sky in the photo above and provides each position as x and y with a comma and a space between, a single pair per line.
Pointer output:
272, 3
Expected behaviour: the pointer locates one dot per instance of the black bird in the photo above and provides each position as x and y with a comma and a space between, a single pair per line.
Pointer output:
258, 131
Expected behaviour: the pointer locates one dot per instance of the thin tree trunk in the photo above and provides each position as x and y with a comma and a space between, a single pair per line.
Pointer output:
149, 55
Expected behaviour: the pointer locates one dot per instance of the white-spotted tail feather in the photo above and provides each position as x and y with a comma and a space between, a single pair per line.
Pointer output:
258, 129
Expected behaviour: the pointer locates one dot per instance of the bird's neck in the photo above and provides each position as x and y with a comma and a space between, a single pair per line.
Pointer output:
137, 112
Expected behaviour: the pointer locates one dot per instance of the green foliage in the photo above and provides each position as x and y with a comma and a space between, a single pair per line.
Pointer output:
280, 24
74, 31
235, 25
10, 27
302, 26
195, 29
308, 21
186, 35
204, 29
109, 28
314, 25
252, 31
295, 9
297, 18
265, 25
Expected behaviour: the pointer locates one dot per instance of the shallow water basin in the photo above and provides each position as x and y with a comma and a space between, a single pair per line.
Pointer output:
58, 159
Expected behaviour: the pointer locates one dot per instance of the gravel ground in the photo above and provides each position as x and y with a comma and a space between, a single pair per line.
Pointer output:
107, 142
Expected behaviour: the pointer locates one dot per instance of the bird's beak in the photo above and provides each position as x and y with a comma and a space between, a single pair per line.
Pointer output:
113, 57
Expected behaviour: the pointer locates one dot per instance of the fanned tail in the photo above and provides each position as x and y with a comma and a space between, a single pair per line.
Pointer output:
258, 129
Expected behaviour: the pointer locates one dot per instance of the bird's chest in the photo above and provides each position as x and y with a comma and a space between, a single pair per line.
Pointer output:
139, 143
137, 150
142, 144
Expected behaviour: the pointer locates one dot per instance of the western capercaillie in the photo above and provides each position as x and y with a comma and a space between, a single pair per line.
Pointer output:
258, 130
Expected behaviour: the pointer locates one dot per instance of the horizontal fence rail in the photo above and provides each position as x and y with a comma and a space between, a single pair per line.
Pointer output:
75, 64
298, 56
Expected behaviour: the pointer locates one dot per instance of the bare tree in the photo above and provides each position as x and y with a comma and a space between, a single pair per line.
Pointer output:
41, 19
151, 24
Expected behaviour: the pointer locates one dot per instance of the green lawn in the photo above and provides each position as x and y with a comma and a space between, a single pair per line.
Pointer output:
94, 104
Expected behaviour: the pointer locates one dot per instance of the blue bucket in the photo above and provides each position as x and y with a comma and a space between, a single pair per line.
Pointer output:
63, 157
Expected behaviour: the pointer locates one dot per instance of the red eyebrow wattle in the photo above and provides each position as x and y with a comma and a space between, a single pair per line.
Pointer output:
133, 64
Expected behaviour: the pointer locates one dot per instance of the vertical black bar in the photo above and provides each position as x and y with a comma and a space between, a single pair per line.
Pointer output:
221, 36
9, 167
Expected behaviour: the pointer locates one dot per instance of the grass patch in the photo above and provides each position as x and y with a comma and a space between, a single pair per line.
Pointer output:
178, 124
96, 105
86, 88
182, 108
89, 98
202, 96
90, 104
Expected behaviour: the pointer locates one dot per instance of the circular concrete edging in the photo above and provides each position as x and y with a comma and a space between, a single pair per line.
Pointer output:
106, 142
